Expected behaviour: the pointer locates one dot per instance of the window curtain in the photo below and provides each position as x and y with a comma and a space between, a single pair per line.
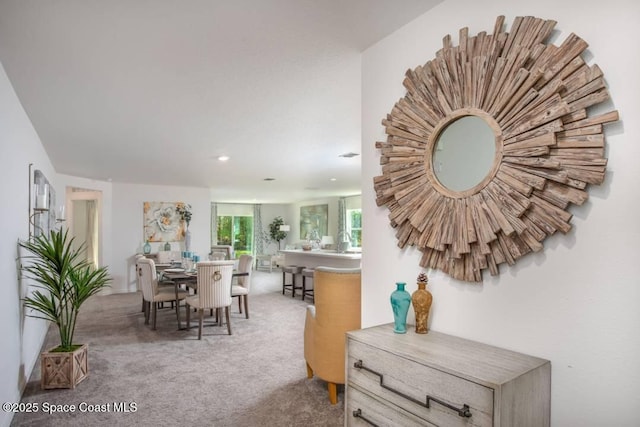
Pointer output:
214, 224
258, 241
342, 220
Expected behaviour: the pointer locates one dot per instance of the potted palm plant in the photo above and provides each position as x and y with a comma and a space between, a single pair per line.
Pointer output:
64, 280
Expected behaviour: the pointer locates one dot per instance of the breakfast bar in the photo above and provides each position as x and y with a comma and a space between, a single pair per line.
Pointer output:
318, 257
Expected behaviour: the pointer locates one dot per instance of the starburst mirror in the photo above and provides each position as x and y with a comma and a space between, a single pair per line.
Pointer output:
530, 101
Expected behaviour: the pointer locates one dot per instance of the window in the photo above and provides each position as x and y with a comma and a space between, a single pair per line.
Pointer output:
354, 227
235, 227
236, 231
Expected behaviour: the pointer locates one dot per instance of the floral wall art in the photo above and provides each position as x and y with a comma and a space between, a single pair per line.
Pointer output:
162, 222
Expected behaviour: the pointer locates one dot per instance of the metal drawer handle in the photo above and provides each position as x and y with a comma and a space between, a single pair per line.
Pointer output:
463, 411
358, 414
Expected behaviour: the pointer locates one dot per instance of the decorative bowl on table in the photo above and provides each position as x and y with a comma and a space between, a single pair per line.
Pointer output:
306, 247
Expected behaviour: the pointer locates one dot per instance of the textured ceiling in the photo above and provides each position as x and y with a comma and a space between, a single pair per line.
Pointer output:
152, 92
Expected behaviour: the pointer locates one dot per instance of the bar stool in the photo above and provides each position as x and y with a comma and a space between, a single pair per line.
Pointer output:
307, 273
293, 270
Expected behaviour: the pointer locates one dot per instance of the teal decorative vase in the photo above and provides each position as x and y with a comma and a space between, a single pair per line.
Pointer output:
146, 248
167, 246
400, 302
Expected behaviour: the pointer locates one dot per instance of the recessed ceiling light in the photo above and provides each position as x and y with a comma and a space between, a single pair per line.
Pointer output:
223, 158
332, 179
349, 154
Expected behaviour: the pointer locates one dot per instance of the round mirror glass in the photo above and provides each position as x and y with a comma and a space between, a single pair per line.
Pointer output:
464, 153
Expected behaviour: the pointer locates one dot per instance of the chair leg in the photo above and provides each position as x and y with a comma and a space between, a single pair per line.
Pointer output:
178, 313
153, 314
143, 304
246, 305
240, 304
309, 372
147, 308
293, 285
188, 310
226, 310
333, 393
201, 314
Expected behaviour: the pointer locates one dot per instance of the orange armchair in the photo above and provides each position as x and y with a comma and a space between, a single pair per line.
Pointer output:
336, 311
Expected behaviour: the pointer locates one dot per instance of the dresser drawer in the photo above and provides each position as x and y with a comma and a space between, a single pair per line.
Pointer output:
371, 410
407, 384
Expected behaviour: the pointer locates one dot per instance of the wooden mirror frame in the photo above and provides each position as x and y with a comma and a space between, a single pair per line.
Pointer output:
535, 96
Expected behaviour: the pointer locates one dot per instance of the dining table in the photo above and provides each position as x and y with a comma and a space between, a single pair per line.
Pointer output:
182, 276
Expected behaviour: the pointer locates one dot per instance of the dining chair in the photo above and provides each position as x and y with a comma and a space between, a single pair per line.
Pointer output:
138, 283
227, 249
243, 283
214, 291
161, 283
217, 256
152, 294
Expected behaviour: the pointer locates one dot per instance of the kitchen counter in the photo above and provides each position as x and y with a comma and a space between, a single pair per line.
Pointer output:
321, 257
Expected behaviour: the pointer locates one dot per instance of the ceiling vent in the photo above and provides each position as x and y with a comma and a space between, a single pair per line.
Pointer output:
349, 155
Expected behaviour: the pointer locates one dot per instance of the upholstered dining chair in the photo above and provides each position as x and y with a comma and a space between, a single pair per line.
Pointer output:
227, 249
138, 282
218, 256
152, 294
243, 283
336, 310
214, 291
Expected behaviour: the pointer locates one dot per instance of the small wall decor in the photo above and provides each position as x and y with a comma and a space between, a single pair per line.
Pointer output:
546, 148
314, 218
42, 208
162, 222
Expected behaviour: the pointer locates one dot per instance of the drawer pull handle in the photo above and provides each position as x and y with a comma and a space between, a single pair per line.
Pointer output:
463, 412
358, 414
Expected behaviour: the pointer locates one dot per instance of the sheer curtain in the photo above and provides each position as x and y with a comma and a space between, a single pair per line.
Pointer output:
214, 223
258, 241
342, 219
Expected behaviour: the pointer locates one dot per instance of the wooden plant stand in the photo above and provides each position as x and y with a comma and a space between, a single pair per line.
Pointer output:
64, 370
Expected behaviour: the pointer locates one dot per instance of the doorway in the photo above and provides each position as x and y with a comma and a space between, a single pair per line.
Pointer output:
84, 209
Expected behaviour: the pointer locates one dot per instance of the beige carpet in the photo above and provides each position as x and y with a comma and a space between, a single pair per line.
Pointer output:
255, 377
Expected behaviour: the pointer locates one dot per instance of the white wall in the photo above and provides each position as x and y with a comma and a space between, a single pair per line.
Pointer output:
21, 336
576, 302
127, 233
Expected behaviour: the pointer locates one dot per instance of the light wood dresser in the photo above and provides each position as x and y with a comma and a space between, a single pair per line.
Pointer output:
441, 380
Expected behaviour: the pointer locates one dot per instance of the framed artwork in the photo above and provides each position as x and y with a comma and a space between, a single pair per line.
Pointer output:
312, 218
162, 222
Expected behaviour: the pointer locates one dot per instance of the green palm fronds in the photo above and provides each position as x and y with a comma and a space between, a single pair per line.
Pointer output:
64, 281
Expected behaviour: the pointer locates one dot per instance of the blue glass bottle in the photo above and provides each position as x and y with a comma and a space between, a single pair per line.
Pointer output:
400, 302
146, 248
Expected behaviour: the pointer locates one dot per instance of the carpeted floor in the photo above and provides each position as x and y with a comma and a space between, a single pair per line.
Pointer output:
255, 377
